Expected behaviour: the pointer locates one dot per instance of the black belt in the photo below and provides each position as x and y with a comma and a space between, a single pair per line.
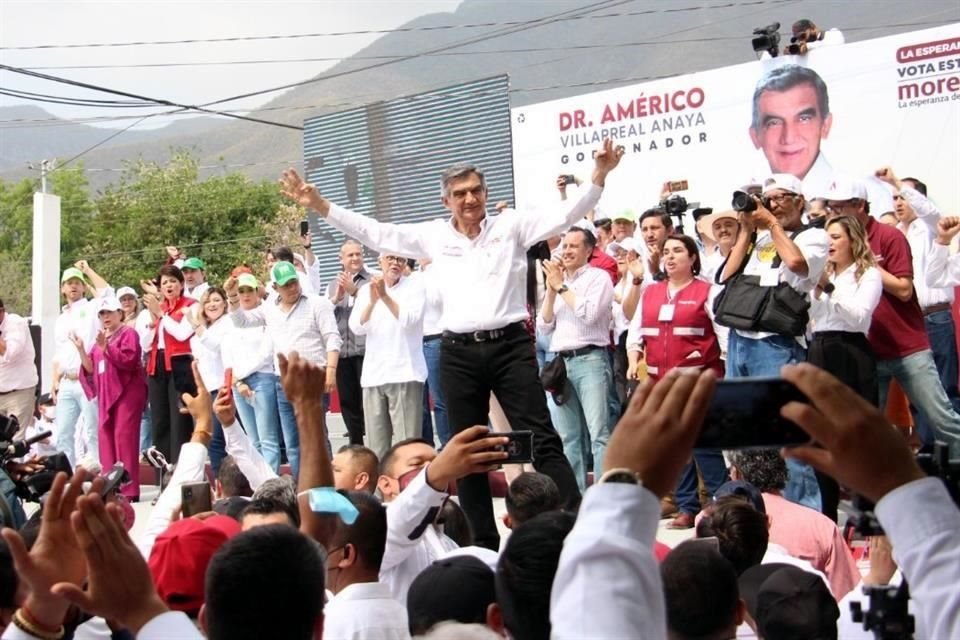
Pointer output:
486, 335
432, 336
582, 351
934, 308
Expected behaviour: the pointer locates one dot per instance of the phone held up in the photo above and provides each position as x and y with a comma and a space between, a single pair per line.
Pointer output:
519, 448
196, 498
745, 414
304, 227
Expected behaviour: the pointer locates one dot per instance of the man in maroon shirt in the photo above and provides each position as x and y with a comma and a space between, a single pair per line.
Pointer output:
897, 333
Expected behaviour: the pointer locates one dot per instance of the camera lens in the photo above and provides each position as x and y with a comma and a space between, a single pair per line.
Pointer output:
743, 202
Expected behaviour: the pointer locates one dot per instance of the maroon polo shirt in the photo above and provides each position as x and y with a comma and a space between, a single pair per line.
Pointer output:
601, 260
897, 329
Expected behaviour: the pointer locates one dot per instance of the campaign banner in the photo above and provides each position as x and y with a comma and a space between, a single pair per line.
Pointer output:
845, 109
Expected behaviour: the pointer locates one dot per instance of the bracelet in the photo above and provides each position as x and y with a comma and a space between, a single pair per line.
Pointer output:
25, 622
637, 282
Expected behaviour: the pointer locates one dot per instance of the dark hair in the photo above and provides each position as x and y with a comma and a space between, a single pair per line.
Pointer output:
785, 78
740, 529
525, 574
232, 480
171, 271
691, 246
802, 25
367, 459
276, 495
368, 533
589, 240
273, 569
8, 578
700, 591
656, 213
763, 468
456, 525
387, 460
603, 223
531, 494
283, 254
1, 304
919, 186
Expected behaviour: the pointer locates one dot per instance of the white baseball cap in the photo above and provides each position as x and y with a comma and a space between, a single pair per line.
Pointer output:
108, 303
627, 244
842, 188
784, 181
126, 291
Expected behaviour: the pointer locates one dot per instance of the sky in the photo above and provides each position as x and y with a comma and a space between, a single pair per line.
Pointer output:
38, 22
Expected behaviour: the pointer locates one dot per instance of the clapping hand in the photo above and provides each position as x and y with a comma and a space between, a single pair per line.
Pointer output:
346, 283
553, 274
101, 339
149, 286
77, 341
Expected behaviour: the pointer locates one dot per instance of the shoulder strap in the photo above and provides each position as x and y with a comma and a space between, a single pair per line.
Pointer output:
793, 234
743, 265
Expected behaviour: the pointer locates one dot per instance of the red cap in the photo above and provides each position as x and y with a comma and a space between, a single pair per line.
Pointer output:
179, 558
241, 269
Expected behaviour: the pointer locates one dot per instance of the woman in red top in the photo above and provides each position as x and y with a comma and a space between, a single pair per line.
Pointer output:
673, 325
169, 362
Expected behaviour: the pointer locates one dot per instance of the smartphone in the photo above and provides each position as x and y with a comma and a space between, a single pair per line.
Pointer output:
519, 448
569, 178
228, 380
304, 227
196, 497
745, 414
678, 185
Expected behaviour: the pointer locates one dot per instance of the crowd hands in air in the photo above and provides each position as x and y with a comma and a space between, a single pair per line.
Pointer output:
325, 556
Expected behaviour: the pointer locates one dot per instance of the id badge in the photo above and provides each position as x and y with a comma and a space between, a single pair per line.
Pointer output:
770, 278
102, 368
666, 313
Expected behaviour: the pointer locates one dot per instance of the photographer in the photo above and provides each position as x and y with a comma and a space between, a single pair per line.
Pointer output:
773, 244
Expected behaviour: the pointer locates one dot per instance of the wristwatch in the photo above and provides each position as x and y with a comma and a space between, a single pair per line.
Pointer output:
621, 475
563, 289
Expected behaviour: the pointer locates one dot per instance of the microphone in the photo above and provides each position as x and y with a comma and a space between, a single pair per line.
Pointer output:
21, 447
828, 288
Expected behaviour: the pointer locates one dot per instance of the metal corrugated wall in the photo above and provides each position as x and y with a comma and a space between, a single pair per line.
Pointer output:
385, 159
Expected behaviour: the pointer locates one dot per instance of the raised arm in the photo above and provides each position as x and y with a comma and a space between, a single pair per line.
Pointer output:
406, 240
942, 269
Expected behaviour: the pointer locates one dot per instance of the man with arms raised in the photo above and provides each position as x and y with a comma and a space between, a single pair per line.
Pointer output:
481, 268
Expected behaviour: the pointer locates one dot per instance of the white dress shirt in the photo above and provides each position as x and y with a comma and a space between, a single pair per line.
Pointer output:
812, 244
620, 320
588, 322
483, 280
206, 349
247, 350
250, 461
181, 330
922, 235
850, 306
394, 348
403, 558
197, 292
79, 318
943, 270
607, 561
309, 328
433, 303
17, 369
365, 611
709, 266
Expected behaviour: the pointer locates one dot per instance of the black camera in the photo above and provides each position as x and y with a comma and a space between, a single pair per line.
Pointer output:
674, 205
31, 487
797, 46
745, 203
767, 39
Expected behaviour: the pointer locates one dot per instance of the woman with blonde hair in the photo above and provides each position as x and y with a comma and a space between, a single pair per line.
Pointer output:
842, 306
210, 326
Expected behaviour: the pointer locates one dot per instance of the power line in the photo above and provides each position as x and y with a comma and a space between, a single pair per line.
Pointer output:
210, 63
45, 97
158, 101
426, 28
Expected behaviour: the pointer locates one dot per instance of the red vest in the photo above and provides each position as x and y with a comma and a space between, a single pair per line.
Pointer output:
686, 341
171, 346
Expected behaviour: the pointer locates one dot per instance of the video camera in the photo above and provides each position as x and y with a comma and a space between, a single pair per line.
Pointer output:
33, 485
767, 39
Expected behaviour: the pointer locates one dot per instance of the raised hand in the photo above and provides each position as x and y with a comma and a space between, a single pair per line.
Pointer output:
200, 405
470, 451
635, 266
345, 281
231, 286
224, 407
101, 339
83, 265
303, 193
947, 228
301, 379
552, 274
853, 435
77, 341
887, 175
606, 160
173, 252
655, 436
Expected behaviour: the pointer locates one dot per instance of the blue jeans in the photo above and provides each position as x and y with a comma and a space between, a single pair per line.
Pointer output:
72, 404
288, 424
426, 421
748, 357
146, 429
943, 343
431, 353
714, 471
261, 417
583, 420
218, 444
917, 374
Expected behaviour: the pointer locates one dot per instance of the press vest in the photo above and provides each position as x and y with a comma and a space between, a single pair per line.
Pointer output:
687, 341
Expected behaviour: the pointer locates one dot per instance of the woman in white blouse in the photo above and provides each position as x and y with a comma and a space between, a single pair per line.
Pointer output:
210, 326
842, 306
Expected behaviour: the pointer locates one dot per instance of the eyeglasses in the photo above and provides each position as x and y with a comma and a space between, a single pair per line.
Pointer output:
780, 197
396, 259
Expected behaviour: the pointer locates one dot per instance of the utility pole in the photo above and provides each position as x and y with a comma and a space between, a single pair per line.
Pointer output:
46, 270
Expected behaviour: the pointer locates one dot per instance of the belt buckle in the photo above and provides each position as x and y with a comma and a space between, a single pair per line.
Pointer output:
479, 336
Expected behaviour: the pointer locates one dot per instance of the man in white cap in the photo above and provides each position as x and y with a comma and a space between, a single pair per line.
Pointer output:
784, 251
897, 333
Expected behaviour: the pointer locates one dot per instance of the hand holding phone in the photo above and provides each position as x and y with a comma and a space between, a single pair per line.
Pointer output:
304, 227
196, 497
519, 446
228, 381
744, 413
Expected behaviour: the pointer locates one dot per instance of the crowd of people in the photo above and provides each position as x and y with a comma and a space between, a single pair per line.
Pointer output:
604, 337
